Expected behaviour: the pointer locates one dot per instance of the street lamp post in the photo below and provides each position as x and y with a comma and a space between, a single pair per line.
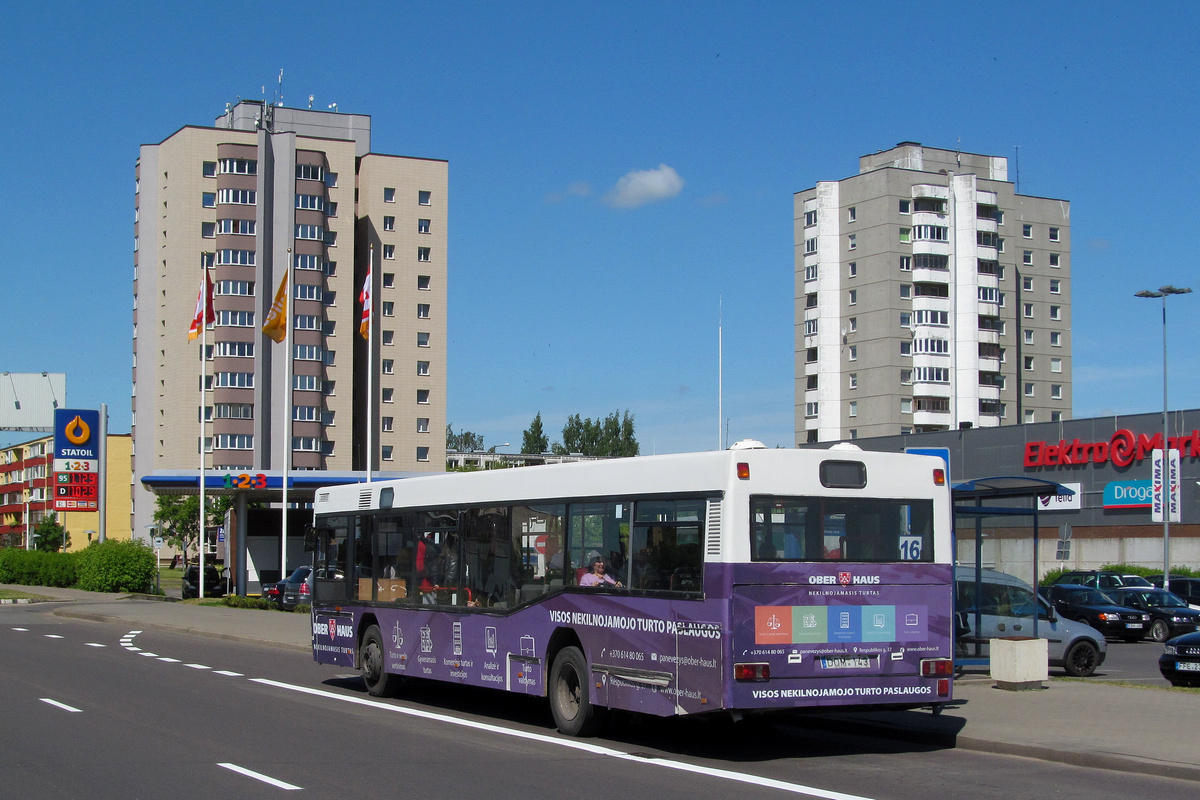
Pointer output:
1162, 292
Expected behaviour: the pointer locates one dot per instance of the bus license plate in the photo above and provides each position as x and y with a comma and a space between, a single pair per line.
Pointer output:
1188, 666
845, 663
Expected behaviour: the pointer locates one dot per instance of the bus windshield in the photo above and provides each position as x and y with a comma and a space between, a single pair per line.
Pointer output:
840, 529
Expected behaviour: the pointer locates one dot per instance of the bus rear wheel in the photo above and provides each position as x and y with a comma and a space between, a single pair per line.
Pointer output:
570, 703
378, 681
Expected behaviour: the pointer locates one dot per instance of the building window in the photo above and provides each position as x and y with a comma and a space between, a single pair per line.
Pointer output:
1054, 260
810, 355
234, 349
389, 280
308, 352
210, 169
852, 241
234, 380
1027, 284
905, 319
315, 263
304, 291
387, 394
208, 200
310, 172
810, 246
906, 263
389, 308
1054, 234
1028, 336
422, 254
1028, 363
906, 348
987, 239
422, 367
422, 283
905, 235
1056, 365
423, 197
810, 273
422, 310
306, 383
988, 294
389, 366
422, 424
810, 300
235, 319
389, 253
310, 202
1027, 231
389, 195
389, 337
851, 214
810, 218
1027, 257
308, 322
906, 206
853, 356
1030, 415
239, 166
810, 382
853, 408
1056, 391
423, 397
1056, 312
906, 377
422, 226
234, 441
385, 452
1055, 286
853, 324
810, 327
852, 269
422, 454
1028, 307
929, 233
1056, 416
810, 410
906, 405
422, 339
237, 197
305, 413
1029, 390
905, 291
389, 223
306, 444
208, 230
314, 233
853, 298
853, 380
1055, 339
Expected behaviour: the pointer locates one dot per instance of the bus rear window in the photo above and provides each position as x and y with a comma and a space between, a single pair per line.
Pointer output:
840, 529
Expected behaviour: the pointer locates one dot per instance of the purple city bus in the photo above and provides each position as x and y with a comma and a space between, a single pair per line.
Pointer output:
736, 582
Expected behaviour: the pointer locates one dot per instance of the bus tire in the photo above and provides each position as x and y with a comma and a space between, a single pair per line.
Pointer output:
371, 658
570, 702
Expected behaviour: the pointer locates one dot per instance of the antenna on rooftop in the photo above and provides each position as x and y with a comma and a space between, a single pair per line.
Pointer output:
310, 99
279, 92
1017, 169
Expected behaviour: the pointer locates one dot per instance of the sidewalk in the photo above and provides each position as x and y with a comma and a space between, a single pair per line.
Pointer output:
1072, 722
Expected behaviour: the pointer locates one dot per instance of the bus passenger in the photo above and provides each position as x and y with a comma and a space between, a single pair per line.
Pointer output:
597, 574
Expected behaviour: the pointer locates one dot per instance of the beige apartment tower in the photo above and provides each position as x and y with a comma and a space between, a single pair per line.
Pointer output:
265, 190
929, 296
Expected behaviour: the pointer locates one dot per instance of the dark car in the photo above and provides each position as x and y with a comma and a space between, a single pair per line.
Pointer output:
1180, 661
273, 593
1093, 607
214, 584
296, 589
1187, 588
1102, 579
1170, 613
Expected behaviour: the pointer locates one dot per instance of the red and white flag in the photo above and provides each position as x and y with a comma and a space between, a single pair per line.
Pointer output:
205, 315
364, 297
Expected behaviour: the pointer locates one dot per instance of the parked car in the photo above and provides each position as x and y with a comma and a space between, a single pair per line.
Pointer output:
214, 584
1187, 588
1006, 607
1170, 613
1180, 661
1102, 579
297, 588
273, 593
1093, 607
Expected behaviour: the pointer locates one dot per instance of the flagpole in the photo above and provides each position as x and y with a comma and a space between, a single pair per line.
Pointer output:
369, 312
287, 396
203, 374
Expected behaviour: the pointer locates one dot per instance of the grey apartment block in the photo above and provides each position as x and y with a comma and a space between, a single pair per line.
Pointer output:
929, 296
262, 190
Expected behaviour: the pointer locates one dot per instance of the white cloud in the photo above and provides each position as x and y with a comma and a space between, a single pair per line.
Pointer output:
645, 186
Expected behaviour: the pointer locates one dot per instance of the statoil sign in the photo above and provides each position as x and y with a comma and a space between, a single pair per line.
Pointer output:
1128, 494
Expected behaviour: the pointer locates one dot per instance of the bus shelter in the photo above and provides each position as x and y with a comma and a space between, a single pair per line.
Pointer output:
262, 487
1001, 496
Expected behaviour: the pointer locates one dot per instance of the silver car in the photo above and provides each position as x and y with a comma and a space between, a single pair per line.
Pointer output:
1004, 606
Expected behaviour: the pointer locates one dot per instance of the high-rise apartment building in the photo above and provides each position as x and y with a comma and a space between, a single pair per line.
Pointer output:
929, 296
264, 190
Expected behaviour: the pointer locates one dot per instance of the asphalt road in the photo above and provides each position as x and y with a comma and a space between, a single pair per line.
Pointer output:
95, 710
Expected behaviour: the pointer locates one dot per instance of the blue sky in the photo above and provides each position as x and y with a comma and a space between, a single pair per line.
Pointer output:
619, 172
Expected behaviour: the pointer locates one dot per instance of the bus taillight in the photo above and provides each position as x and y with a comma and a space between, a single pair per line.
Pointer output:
943, 685
939, 477
743, 471
936, 667
752, 672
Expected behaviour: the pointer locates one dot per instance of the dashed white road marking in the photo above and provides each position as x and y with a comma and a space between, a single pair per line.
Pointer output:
228, 673
24, 630
197, 666
258, 776
94, 644
63, 706
52, 636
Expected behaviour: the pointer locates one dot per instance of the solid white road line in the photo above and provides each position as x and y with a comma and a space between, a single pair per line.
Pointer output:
63, 706
575, 744
258, 776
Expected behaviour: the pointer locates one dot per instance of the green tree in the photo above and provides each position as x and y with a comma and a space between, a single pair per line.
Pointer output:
49, 536
611, 437
534, 439
463, 441
178, 520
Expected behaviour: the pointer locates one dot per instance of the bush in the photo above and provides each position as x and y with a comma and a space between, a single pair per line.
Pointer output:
36, 568
114, 566
1053, 575
237, 601
1146, 572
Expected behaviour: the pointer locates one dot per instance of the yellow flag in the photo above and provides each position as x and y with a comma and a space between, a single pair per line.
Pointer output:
276, 325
